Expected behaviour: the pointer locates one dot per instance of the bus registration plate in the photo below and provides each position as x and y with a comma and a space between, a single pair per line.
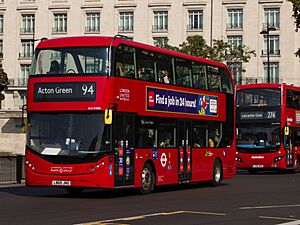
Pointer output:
258, 166
61, 183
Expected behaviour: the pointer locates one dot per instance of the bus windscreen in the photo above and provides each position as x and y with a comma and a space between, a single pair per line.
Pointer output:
68, 134
258, 138
258, 96
70, 61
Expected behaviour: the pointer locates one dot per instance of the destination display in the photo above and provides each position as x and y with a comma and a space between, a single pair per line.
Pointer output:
180, 102
259, 115
65, 92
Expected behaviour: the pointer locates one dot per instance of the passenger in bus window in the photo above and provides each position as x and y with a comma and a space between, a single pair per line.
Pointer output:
54, 67
120, 69
165, 77
166, 143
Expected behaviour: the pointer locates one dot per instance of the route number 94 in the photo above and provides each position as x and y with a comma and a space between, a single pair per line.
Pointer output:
87, 89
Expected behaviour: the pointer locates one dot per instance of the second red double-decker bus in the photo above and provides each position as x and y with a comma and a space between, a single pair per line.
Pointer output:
268, 127
106, 112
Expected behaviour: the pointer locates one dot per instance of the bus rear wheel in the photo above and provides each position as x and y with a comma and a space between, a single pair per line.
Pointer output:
217, 173
297, 165
148, 179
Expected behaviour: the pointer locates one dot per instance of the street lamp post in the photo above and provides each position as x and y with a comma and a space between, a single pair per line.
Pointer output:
267, 32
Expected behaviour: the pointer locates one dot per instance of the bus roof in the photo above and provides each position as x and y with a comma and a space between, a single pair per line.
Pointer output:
267, 85
95, 41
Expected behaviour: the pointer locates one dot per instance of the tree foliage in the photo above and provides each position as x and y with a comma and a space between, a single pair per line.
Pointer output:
220, 51
296, 12
3, 80
296, 15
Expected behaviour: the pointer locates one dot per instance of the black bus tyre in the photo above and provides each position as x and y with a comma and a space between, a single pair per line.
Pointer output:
147, 179
217, 173
74, 190
297, 165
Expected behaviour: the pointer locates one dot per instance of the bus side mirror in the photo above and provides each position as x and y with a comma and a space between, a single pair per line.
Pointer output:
24, 125
286, 131
108, 116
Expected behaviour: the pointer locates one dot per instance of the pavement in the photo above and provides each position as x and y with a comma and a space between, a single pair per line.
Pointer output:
12, 184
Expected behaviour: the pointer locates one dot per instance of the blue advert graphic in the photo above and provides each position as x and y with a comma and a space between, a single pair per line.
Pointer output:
155, 153
180, 102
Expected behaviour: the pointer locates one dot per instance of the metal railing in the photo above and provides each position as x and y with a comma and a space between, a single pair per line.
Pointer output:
234, 26
249, 80
162, 28
12, 168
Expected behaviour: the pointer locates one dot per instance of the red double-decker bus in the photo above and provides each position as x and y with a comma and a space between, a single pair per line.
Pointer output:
268, 127
106, 112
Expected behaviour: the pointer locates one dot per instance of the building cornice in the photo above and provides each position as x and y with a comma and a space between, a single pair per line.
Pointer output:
128, 5
27, 7
160, 4
51, 7
238, 2
270, 1
201, 3
92, 6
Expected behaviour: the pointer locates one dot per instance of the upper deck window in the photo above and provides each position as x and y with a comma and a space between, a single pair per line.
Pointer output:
68, 61
258, 96
293, 99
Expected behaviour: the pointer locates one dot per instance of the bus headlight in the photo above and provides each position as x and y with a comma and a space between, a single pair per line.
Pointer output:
30, 165
278, 158
238, 159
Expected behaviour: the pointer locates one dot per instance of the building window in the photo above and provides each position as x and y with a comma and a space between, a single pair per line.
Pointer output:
274, 72
160, 41
235, 41
235, 19
1, 24
92, 22
24, 75
195, 20
236, 71
27, 48
60, 23
27, 25
272, 18
273, 45
160, 21
126, 21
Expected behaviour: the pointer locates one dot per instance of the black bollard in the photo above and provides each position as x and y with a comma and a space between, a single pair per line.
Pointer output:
19, 168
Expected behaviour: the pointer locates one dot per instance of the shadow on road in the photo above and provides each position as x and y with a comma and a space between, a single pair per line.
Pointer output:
56, 192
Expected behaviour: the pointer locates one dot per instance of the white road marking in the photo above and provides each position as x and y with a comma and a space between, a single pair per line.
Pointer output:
150, 215
297, 222
277, 218
269, 207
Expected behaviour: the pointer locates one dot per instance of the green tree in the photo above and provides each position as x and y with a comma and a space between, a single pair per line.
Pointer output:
296, 15
3, 79
220, 51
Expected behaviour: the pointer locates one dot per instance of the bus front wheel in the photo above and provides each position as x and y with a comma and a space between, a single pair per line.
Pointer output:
217, 173
148, 179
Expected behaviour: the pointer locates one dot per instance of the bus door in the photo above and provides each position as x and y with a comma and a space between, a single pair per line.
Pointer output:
185, 151
123, 136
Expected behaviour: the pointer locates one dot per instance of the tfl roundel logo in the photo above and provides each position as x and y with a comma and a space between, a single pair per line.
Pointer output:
151, 99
